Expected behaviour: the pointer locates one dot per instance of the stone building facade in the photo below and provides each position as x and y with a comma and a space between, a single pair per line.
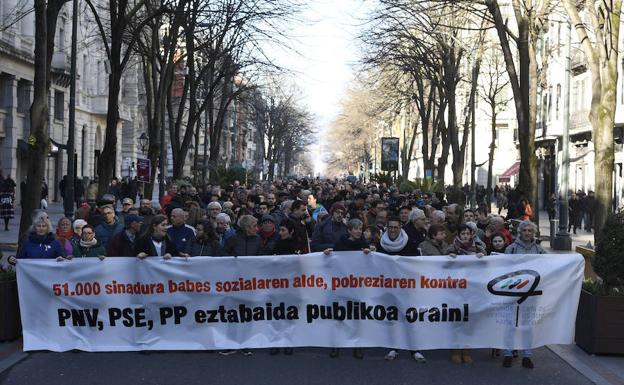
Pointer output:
16, 92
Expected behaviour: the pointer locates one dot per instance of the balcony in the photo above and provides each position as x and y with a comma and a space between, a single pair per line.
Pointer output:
60, 62
578, 63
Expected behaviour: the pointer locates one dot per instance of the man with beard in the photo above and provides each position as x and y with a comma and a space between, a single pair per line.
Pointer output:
328, 232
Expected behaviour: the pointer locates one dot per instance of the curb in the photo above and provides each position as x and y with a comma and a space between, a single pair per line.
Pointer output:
10, 354
587, 365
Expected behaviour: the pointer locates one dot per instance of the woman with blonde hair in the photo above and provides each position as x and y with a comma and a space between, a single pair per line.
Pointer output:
41, 242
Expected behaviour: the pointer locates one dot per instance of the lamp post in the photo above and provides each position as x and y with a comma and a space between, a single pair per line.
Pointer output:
143, 143
562, 240
68, 200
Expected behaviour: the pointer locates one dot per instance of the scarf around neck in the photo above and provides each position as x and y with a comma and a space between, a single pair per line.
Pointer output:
468, 247
88, 244
64, 234
396, 245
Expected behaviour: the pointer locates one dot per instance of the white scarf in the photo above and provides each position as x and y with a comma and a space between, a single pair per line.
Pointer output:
396, 245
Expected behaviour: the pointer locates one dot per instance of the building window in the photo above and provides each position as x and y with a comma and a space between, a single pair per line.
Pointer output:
85, 63
549, 112
61, 38
575, 96
23, 96
581, 94
558, 100
5, 92
59, 105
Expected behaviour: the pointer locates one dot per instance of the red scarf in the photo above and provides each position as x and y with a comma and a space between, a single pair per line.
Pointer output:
64, 235
264, 235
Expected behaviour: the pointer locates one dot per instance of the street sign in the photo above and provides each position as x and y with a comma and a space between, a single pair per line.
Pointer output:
144, 170
389, 154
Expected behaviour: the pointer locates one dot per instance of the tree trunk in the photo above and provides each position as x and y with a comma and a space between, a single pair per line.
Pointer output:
490, 176
108, 158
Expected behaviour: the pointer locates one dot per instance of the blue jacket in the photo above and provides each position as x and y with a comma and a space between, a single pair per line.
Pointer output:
41, 246
229, 233
315, 213
327, 234
181, 235
104, 232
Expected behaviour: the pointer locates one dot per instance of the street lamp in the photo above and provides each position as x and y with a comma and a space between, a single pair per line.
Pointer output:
143, 143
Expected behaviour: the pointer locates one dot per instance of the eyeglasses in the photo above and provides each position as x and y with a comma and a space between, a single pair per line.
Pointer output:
127, 204
87, 233
109, 213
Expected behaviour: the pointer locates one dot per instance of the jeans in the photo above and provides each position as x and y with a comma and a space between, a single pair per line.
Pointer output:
525, 353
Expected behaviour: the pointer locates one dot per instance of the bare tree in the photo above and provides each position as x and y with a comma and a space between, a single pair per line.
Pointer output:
288, 130
522, 67
120, 24
600, 41
493, 90
46, 15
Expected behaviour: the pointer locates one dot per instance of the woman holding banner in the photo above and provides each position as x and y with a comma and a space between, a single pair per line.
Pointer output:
205, 241
156, 242
41, 242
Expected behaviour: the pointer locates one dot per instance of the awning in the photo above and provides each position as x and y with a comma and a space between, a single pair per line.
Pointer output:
513, 170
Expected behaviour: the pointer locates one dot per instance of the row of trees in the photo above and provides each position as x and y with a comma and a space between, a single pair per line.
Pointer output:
196, 58
428, 57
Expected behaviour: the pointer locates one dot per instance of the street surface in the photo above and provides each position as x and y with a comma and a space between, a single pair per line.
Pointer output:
306, 367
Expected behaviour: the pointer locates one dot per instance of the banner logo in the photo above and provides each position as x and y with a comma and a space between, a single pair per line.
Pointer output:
521, 283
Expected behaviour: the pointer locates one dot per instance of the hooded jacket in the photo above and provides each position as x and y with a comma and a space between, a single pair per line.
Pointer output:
519, 247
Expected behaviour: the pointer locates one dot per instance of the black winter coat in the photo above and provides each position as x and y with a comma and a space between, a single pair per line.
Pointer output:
241, 244
197, 248
145, 245
346, 244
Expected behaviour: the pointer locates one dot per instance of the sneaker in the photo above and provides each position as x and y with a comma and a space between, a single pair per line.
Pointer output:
247, 352
527, 363
391, 356
507, 361
418, 357
228, 352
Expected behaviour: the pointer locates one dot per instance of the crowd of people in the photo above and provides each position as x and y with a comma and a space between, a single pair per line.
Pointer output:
283, 218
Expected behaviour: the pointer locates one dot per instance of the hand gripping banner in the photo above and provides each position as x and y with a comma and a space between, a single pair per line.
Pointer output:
346, 299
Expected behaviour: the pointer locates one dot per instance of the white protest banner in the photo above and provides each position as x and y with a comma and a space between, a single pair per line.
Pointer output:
346, 299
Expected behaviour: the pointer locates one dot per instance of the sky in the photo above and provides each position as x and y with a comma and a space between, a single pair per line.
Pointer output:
327, 51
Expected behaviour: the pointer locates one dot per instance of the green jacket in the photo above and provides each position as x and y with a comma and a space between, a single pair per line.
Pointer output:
93, 251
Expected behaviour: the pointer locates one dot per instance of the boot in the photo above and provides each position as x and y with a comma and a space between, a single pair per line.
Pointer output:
456, 357
466, 358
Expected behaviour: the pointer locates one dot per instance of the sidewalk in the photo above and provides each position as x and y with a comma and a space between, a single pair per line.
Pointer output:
581, 238
8, 239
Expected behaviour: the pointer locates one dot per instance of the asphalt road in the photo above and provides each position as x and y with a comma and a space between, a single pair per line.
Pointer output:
307, 366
